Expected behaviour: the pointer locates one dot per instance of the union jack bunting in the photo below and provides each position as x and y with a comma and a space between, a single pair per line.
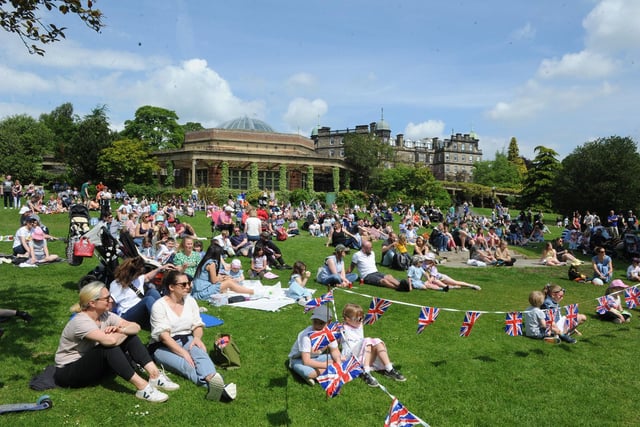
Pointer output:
513, 324
603, 304
322, 338
632, 297
428, 315
550, 319
376, 309
470, 318
338, 374
317, 302
571, 319
400, 416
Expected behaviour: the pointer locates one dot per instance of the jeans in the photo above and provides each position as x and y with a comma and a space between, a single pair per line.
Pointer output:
141, 312
303, 370
335, 279
177, 364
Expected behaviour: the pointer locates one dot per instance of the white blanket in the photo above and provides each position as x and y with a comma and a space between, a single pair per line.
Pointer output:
267, 298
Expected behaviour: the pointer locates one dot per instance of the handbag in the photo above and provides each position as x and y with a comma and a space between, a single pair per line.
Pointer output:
83, 248
225, 353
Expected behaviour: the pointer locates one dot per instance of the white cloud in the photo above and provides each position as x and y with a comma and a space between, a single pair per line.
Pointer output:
195, 92
527, 32
613, 26
303, 80
427, 129
303, 114
584, 64
20, 82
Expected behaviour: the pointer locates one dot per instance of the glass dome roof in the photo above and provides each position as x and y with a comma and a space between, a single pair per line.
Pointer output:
246, 123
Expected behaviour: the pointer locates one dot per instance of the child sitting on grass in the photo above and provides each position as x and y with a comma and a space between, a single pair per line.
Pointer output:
615, 313
534, 320
370, 352
235, 271
258, 263
298, 282
302, 360
416, 274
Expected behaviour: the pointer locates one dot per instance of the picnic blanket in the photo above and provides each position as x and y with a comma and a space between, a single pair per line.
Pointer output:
269, 298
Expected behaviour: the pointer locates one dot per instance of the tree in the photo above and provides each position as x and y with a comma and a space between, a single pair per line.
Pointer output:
599, 176
192, 127
127, 161
499, 172
91, 138
23, 142
155, 126
514, 157
63, 123
539, 185
22, 18
412, 184
365, 152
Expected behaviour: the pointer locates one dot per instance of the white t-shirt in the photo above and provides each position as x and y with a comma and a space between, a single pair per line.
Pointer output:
163, 318
22, 232
366, 263
303, 344
254, 226
125, 298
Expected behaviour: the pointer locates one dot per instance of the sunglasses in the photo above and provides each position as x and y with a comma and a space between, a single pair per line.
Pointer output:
557, 292
183, 284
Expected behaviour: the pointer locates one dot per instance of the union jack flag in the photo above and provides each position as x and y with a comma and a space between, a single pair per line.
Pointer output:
571, 319
632, 297
604, 304
550, 319
317, 302
322, 338
513, 324
338, 374
376, 309
400, 416
428, 315
470, 318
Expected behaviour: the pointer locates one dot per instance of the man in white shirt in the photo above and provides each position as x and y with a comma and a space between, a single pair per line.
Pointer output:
365, 261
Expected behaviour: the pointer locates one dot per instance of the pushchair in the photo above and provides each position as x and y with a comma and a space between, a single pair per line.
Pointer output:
78, 227
631, 245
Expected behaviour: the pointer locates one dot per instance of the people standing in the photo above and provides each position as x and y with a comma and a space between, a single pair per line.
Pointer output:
7, 188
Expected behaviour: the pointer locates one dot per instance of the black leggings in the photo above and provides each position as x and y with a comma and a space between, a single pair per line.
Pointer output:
100, 361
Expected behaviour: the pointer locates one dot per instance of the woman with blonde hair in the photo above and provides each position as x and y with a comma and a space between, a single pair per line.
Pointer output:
96, 342
549, 256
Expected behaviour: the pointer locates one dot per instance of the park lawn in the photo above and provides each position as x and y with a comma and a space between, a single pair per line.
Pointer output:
487, 378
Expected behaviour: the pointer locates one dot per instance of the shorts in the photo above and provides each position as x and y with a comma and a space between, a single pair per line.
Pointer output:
374, 278
303, 370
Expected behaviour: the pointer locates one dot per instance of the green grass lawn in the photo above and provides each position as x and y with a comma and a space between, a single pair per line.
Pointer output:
485, 379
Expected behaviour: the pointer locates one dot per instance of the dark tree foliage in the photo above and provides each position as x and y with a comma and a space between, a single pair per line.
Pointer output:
24, 18
63, 123
539, 185
83, 150
599, 176
156, 126
23, 142
365, 152
499, 172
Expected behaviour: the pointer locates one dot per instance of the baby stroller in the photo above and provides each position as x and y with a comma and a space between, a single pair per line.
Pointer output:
107, 248
78, 226
631, 245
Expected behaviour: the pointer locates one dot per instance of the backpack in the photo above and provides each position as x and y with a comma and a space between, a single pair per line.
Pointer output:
575, 275
401, 262
281, 234
225, 353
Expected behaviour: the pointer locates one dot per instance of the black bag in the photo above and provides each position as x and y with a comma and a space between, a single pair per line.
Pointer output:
401, 262
225, 353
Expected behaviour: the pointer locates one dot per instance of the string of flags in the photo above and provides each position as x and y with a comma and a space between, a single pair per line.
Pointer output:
338, 374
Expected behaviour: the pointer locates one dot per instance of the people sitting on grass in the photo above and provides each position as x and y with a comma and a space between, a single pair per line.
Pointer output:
96, 342
333, 271
633, 271
240, 243
535, 320
176, 338
614, 312
22, 238
503, 255
549, 256
563, 254
554, 294
305, 362
419, 279
208, 279
39, 249
365, 261
477, 253
371, 353
272, 252
602, 265
432, 270
298, 283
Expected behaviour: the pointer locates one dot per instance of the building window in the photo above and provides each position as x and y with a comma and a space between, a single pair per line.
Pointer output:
202, 177
342, 153
470, 159
455, 157
332, 153
331, 141
462, 158
268, 179
446, 157
341, 141
455, 146
239, 179
461, 147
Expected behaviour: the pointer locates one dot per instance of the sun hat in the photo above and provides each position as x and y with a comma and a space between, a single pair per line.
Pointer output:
228, 208
236, 263
321, 313
37, 234
618, 284
430, 257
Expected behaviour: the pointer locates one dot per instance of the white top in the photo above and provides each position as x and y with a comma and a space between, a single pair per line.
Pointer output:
303, 344
254, 226
22, 232
366, 263
163, 318
125, 298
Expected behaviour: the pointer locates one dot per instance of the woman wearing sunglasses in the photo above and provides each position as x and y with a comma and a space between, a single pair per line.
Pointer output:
97, 342
553, 296
176, 338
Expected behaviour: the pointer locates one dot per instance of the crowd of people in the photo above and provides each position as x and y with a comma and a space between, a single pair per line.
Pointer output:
102, 337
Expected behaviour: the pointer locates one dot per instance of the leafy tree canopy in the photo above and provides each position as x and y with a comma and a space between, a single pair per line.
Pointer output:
365, 152
63, 123
23, 17
599, 176
23, 142
499, 172
411, 184
192, 127
514, 157
127, 161
155, 126
82, 151
539, 185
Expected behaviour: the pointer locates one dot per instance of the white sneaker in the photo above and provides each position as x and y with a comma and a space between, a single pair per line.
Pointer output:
216, 387
464, 250
230, 392
151, 394
164, 383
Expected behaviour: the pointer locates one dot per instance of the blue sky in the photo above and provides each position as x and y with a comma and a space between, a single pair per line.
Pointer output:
549, 72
